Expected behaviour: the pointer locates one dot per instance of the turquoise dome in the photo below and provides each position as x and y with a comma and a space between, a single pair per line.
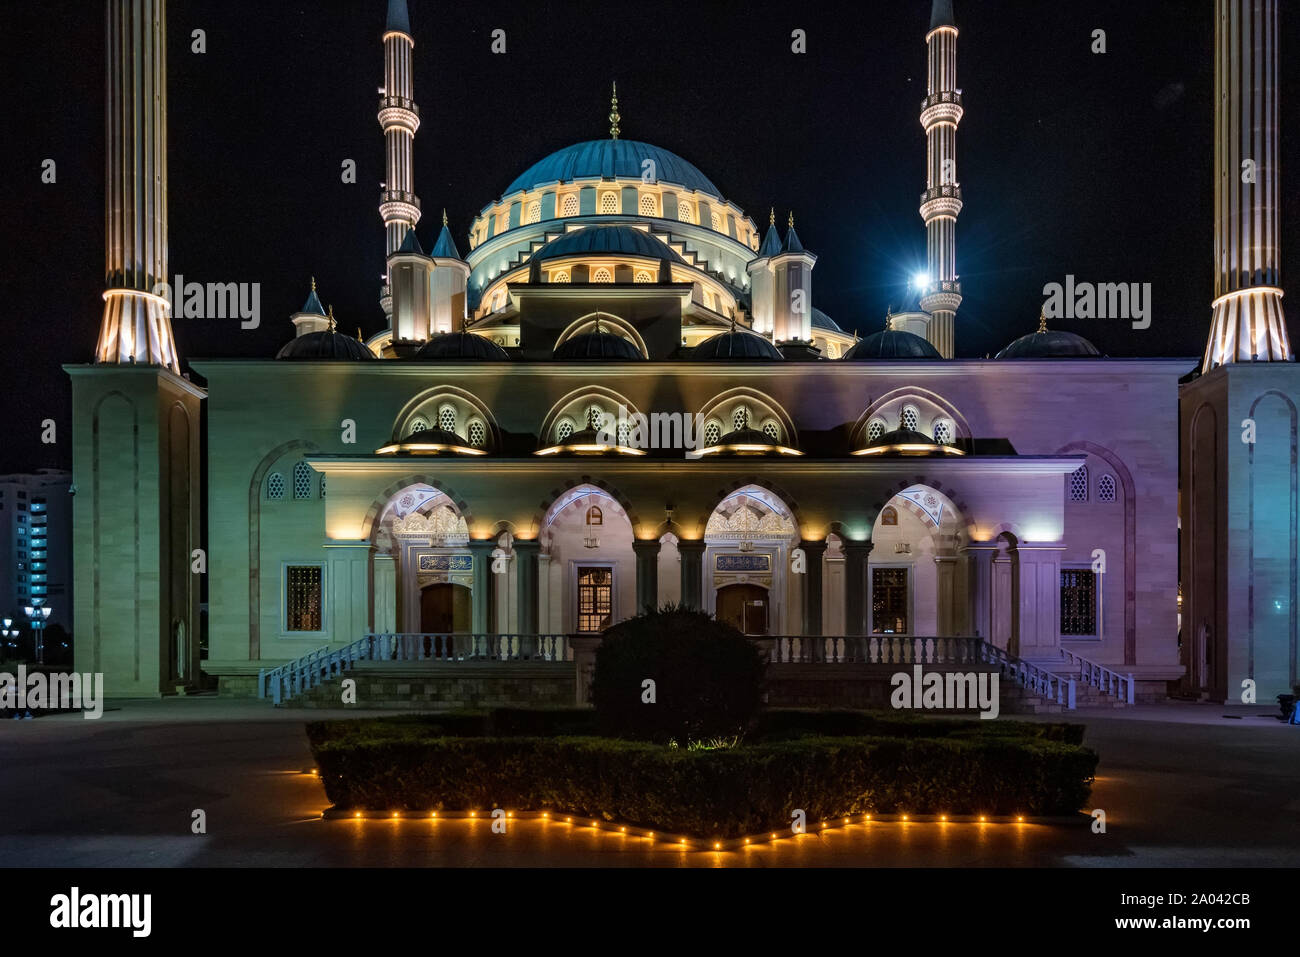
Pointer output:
609, 159
627, 240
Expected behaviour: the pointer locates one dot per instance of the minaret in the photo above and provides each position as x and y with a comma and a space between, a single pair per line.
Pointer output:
136, 327
1248, 324
135, 420
941, 111
400, 118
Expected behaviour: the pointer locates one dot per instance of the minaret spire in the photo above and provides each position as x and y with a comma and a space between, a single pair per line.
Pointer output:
613, 113
941, 111
136, 326
400, 118
1248, 324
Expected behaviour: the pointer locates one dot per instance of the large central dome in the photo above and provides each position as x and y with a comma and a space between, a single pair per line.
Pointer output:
612, 159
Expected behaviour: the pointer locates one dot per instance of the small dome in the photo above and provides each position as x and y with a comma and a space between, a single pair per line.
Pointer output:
748, 442
589, 442
736, 344
892, 344
1050, 344
607, 159
903, 441
622, 240
431, 442
325, 345
822, 321
450, 346
598, 347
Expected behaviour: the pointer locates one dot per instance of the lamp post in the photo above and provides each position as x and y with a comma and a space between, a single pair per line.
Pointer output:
38, 612
9, 633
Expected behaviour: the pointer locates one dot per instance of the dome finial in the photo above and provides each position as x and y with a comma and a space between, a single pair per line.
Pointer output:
771, 216
331, 317
313, 283
1042, 320
889, 316
613, 113
790, 222
359, 339
444, 215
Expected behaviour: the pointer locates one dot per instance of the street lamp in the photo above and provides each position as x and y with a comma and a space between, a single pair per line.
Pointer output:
38, 612
10, 633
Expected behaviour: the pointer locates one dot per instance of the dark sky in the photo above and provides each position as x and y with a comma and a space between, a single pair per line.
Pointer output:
1071, 162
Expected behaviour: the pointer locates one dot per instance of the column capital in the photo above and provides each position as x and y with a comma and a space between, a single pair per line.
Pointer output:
812, 546
527, 545
694, 547
646, 546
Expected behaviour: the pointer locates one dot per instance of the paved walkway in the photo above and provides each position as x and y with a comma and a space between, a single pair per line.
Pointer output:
1181, 784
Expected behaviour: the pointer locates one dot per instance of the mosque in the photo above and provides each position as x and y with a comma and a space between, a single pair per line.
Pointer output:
622, 394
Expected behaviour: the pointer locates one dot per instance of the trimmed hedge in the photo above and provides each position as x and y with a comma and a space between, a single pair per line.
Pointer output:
721, 793
785, 723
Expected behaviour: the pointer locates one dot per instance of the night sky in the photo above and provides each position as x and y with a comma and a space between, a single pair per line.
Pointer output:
1070, 162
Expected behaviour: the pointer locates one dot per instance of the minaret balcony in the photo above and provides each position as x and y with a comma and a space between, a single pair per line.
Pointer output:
399, 112
937, 108
943, 295
939, 201
397, 205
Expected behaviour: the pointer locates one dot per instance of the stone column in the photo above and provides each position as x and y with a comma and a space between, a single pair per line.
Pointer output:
855, 587
526, 552
692, 573
481, 549
812, 586
978, 559
544, 593
833, 594
647, 574
945, 595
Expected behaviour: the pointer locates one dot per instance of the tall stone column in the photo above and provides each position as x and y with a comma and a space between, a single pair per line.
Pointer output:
812, 586
526, 552
482, 549
855, 587
692, 573
978, 560
946, 592
647, 574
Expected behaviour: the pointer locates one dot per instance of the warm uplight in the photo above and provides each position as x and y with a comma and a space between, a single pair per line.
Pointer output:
904, 817
358, 814
473, 813
716, 845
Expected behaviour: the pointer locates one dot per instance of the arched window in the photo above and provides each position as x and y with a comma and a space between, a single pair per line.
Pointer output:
564, 430
302, 480
1079, 484
771, 430
1106, 488
647, 205
739, 418
275, 486
643, 276
712, 434
560, 276
534, 214
625, 433
447, 418
570, 205
322, 485
594, 414
684, 211
717, 223
419, 425
477, 434
942, 431
889, 515
608, 203
911, 418
602, 275
595, 516
875, 430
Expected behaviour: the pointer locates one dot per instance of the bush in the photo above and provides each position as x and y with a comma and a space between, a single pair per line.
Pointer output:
719, 793
708, 678
497, 722
784, 723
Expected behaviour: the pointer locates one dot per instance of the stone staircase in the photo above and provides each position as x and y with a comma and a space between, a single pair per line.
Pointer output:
1095, 686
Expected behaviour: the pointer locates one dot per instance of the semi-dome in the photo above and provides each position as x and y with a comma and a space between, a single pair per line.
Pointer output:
903, 441
621, 240
609, 159
326, 344
451, 346
1050, 344
598, 347
736, 344
430, 442
892, 344
747, 441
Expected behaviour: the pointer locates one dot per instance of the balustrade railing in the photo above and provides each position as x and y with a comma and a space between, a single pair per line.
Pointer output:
869, 649
316, 667
1105, 680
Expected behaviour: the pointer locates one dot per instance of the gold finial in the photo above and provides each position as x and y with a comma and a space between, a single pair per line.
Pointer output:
613, 113
1042, 320
444, 216
790, 223
771, 216
359, 339
331, 317
733, 323
313, 283
889, 316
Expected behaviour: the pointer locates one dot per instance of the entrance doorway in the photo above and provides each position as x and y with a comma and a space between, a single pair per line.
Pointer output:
445, 609
744, 607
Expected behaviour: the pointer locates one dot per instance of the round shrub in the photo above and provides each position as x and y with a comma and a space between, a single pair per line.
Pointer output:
708, 678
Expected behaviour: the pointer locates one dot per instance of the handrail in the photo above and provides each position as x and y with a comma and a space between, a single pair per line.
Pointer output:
1104, 679
1038, 680
868, 649
316, 667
